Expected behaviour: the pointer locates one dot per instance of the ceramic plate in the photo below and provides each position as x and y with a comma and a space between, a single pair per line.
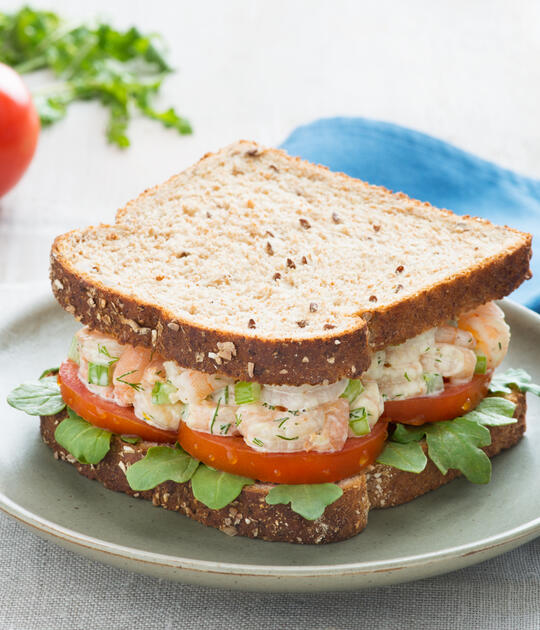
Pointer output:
456, 526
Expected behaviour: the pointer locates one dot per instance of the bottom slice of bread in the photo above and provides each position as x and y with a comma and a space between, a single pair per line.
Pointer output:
249, 515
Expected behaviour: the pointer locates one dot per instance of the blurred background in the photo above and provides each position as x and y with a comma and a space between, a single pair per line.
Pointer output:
467, 72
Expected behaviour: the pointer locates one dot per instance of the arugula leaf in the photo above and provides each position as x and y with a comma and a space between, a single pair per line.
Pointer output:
500, 383
88, 444
49, 372
41, 398
308, 500
161, 463
124, 70
130, 439
454, 444
215, 488
493, 412
405, 456
405, 434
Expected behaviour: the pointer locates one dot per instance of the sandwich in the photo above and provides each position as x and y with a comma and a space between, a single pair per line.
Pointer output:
274, 349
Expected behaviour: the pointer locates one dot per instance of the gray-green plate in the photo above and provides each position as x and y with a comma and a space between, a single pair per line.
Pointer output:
456, 526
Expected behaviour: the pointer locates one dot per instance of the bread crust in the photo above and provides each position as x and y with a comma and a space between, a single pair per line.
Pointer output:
249, 515
284, 360
276, 362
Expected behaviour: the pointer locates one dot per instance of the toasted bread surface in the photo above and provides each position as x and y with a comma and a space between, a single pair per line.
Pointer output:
249, 515
266, 267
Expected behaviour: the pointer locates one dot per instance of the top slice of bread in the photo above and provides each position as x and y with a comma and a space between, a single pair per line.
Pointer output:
270, 268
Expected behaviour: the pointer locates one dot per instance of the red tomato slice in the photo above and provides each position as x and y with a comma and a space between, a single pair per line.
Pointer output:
19, 128
102, 413
452, 403
233, 455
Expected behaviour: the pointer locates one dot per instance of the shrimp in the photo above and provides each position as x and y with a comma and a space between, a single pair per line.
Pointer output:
323, 428
486, 323
193, 386
128, 374
166, 416
100, 350
210, 417
450, 361
371, 401
455, 336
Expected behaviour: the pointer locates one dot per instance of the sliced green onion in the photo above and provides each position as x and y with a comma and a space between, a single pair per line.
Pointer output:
73, 352
245, 393
481, 364
99, 374
161, 393
353, 390
434, 382
358, 421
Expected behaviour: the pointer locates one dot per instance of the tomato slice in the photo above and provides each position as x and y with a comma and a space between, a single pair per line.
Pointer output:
103, 413
233, 455
453, 402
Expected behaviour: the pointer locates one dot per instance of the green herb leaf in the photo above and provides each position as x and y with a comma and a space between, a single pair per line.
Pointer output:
130, 439
41, 398
454, 444
308, 500
123, 70
161, 463
408, 456
215, 488
519, 378
49, 372
353, 390
245, 392
405, 434
493, 412
88, 444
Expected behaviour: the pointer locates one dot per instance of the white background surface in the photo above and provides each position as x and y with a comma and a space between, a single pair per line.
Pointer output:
468, 72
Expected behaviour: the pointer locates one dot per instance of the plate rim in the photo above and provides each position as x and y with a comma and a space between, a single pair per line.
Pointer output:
520, 534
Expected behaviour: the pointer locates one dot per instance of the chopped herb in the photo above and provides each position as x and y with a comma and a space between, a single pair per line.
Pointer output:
214, 417
136, 386
102, 349
99, 374
264, 404
245, 392
161, 393
500, 345
406, 376
258, 442
287, 438
238, 420
434, 382
294, 412
481, 365
353, 390
224, 428
283, 421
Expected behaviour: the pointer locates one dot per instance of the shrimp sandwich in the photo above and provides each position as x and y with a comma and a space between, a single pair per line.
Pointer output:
273, 349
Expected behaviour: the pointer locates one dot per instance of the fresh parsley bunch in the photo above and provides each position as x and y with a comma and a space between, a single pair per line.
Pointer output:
123, 70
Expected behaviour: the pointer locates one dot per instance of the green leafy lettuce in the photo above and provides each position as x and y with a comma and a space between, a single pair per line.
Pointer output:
458, 443
308, 500
516, 377
123, 70
87, 443
215, 488
38, 398
161, 463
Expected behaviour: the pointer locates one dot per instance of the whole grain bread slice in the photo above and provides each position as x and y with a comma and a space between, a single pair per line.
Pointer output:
269, 268
249, 515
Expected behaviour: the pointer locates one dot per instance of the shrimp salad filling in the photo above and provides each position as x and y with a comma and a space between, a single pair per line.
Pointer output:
273, 418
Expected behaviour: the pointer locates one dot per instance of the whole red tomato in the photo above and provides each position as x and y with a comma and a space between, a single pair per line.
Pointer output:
19, 128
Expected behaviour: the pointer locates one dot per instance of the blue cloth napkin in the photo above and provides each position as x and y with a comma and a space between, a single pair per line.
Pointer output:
427, 169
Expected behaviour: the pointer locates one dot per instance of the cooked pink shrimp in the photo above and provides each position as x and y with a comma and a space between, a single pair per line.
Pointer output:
455, 336
208, 417
486, 323
193, 386
335, 429
128, 373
